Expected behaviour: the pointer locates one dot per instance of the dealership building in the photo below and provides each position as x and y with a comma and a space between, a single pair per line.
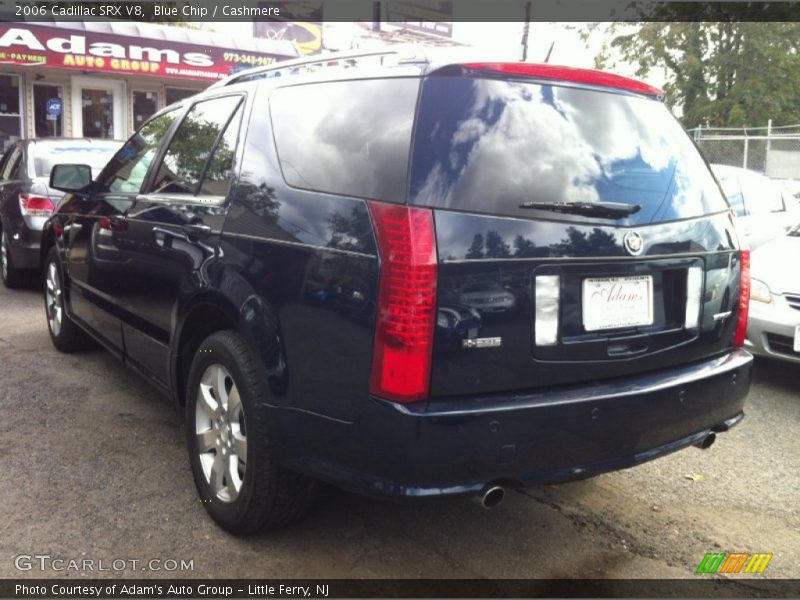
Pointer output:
103, 80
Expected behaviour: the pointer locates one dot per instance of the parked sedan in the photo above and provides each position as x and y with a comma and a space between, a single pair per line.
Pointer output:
773, 327
763, 208
26, 201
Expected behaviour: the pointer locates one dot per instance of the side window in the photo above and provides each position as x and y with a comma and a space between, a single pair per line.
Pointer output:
126, 171
351, 138
210, 127
11, 166
218, 174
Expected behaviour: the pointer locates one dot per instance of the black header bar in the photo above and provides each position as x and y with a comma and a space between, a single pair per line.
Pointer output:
385, 10
699, 587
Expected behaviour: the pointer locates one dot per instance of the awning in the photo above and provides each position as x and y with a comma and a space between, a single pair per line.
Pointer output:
136, 48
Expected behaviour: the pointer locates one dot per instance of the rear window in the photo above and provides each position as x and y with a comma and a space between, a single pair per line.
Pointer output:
489, 145
350, 138
96, 155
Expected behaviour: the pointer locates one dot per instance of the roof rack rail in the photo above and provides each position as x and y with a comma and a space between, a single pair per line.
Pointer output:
320, 59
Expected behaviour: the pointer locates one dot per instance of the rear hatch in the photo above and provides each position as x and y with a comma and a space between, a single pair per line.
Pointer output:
535, 185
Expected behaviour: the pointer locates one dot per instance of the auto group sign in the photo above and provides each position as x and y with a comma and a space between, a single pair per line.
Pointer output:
50, 47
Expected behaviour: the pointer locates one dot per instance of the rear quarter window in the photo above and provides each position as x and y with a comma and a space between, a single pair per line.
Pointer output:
349, 138
489, 145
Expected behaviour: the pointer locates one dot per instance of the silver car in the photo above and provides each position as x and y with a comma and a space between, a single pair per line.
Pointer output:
773, 328
763, 208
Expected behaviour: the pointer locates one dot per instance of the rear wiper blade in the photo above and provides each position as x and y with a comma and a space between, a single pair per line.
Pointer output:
609, 210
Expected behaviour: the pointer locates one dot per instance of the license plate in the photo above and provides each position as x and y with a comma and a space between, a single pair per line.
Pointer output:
797, 339
616, 302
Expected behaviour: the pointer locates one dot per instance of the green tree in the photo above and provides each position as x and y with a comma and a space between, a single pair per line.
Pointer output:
719, 73
496, 246
476, 248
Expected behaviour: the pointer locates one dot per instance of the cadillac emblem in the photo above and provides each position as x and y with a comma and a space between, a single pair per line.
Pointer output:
633, 243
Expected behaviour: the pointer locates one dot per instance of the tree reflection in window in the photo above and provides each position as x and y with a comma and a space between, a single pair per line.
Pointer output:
127, 170
189, 156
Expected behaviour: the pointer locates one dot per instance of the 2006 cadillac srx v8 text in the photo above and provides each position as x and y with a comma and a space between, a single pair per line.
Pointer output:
412, 280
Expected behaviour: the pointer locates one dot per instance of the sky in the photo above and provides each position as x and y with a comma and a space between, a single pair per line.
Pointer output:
499, 41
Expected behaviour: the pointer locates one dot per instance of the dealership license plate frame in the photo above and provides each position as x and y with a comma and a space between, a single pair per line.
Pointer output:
601, 315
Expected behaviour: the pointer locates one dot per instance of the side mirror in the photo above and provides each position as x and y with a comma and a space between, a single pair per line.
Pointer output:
70, 178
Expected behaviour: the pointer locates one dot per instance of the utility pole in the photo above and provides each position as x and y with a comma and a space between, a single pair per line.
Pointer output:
526, 26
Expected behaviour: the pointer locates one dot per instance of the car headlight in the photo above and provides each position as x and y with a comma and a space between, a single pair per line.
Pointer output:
759, 291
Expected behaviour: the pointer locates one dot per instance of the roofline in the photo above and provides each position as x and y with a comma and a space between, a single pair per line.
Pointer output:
319, 59
404, 56
48, 140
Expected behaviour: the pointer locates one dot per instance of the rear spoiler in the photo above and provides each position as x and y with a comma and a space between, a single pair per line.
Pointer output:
553, 73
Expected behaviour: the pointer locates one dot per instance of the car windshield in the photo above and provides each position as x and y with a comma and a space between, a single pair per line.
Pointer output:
95, 154
731, 188
763, 195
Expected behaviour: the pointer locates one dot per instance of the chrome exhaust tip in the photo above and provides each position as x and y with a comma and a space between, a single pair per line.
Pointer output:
492, 496
706, 442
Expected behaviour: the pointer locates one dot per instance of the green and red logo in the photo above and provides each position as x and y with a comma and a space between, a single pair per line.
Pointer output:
734, 562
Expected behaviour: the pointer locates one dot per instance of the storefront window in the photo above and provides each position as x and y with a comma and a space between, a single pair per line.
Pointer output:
178, 94
10, 113
98, 113
145, 105
47, 124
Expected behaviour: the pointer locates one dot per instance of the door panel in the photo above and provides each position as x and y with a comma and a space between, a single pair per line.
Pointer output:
92, 259
100, 253
172, 231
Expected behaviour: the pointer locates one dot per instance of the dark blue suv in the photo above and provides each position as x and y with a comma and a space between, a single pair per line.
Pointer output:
412, 281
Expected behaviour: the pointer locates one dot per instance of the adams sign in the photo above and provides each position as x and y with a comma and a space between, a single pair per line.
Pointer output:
50, 47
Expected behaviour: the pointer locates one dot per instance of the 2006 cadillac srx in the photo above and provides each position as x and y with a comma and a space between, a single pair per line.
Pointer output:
413, 280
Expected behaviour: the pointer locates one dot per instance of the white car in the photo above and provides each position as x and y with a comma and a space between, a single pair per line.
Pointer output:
764, 208
773, 327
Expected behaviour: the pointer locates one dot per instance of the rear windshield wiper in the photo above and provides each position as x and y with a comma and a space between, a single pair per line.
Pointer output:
609, 210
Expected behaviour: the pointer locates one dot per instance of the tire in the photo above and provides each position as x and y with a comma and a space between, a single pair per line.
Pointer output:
257, 494
64, 333
13, 278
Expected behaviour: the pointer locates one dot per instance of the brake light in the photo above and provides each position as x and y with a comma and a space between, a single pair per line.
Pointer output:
35, 206
587, 76
744, 299
406, 311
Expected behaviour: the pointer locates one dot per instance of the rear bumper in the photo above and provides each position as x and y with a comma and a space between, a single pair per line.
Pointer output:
459, 446
24, 246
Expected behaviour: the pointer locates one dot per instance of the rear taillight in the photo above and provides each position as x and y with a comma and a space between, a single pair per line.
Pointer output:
744, 299
32, 205
406, 311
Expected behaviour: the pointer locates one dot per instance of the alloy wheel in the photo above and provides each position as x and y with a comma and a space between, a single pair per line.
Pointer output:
221, 433
53, 299
4, 257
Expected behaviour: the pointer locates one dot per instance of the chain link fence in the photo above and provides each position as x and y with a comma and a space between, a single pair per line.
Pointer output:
773, 151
